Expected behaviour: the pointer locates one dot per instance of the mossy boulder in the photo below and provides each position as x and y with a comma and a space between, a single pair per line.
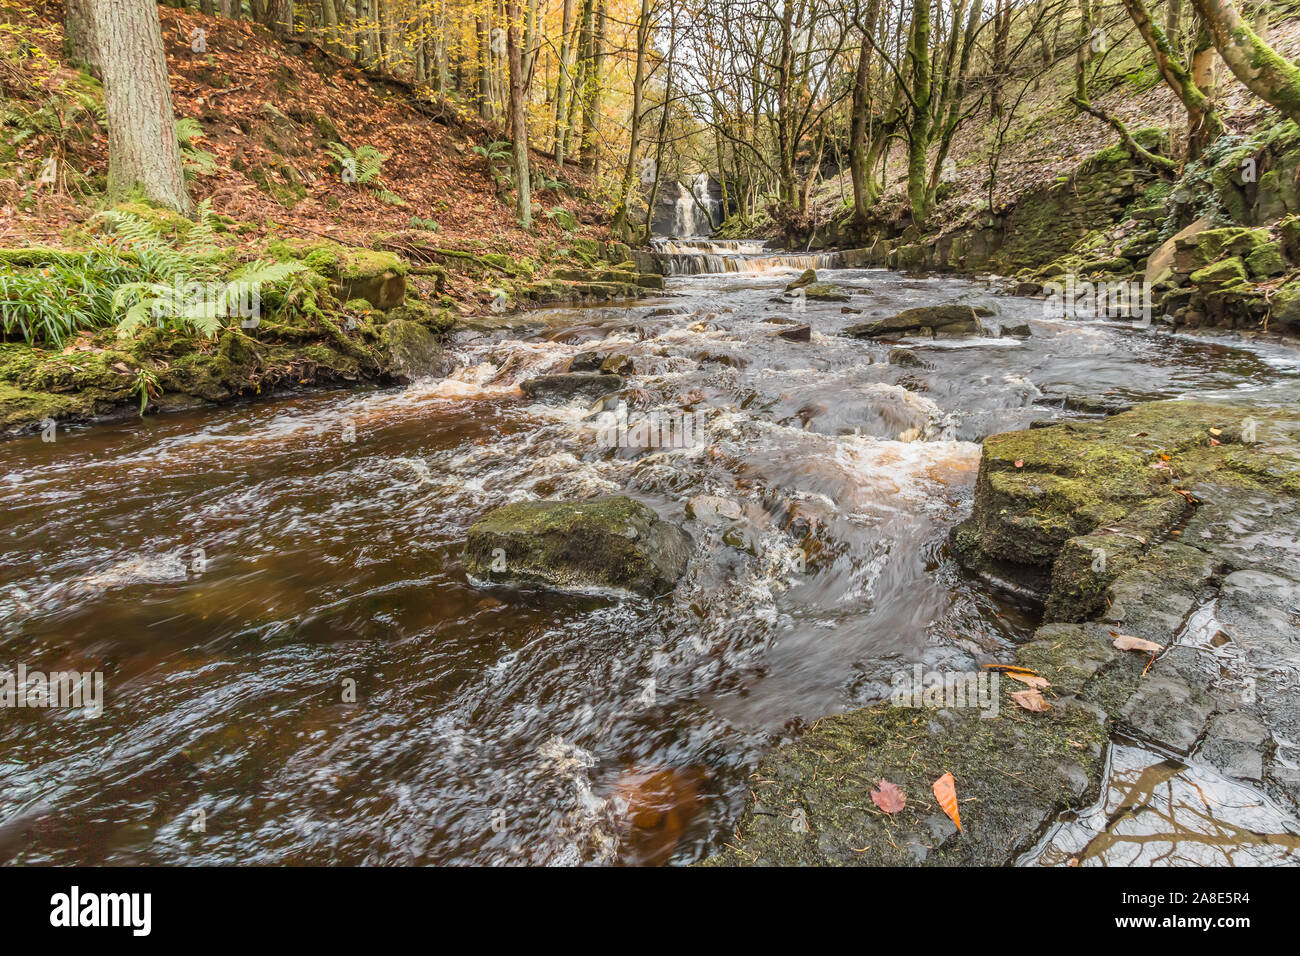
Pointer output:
1196, 251
410, 351
808, 277
1284, 309
1221, 274
378, 277
1266, 260
613, 543
810, 801
825, 292
927, 321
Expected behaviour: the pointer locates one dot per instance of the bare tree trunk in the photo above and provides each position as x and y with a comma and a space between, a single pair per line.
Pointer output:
596, 79
79, 34
634, 145
143, 154
484, 91
1263, 71
562, 81
518, 116
864, 189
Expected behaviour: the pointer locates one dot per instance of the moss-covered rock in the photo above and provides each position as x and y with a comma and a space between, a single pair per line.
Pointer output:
811, 803
1067, 508
1266, 260
927, 321
807, 278
378, 277
410, 351
1221, 274
616, 543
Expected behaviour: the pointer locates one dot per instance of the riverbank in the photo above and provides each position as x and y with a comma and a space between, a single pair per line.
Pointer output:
220, 322
331, 200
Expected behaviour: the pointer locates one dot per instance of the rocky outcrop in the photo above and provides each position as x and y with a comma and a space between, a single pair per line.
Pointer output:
609, 543
1176, 523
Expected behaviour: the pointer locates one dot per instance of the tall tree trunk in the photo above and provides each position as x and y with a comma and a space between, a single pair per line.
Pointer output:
1263, 71
143, 154
919, 131
79, 34
561, 83
518, 115
578, 95
595, 81
1001, 34
1081, 54
634, 144
483, 93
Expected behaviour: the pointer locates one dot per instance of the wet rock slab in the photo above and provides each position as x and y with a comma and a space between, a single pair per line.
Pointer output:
613, 543
1219, 591
561, 388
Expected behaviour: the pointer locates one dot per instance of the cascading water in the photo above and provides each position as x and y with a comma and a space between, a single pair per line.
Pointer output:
491, 726
688, 257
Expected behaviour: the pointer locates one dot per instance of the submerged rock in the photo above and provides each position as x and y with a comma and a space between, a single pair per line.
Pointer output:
613, 542
928, 321
570, 384
906, 358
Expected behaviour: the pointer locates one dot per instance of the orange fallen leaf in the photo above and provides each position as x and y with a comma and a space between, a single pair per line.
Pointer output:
945, 791
1127, 642
1033, 680
1031, 700
889, 797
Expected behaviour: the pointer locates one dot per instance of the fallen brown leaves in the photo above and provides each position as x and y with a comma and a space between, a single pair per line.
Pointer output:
889, 797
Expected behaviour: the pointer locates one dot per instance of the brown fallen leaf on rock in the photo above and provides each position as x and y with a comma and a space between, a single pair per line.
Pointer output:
1127, 642
1031, 700
1031, 679
945, 791
889, 797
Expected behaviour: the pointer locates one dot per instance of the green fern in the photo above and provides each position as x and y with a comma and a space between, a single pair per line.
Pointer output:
366, 166
202, 307
196, 161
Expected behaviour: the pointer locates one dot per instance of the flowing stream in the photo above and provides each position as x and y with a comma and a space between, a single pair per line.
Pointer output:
297, 671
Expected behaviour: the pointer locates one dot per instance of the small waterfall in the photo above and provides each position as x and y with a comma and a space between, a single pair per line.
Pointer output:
693, 211
679, 257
